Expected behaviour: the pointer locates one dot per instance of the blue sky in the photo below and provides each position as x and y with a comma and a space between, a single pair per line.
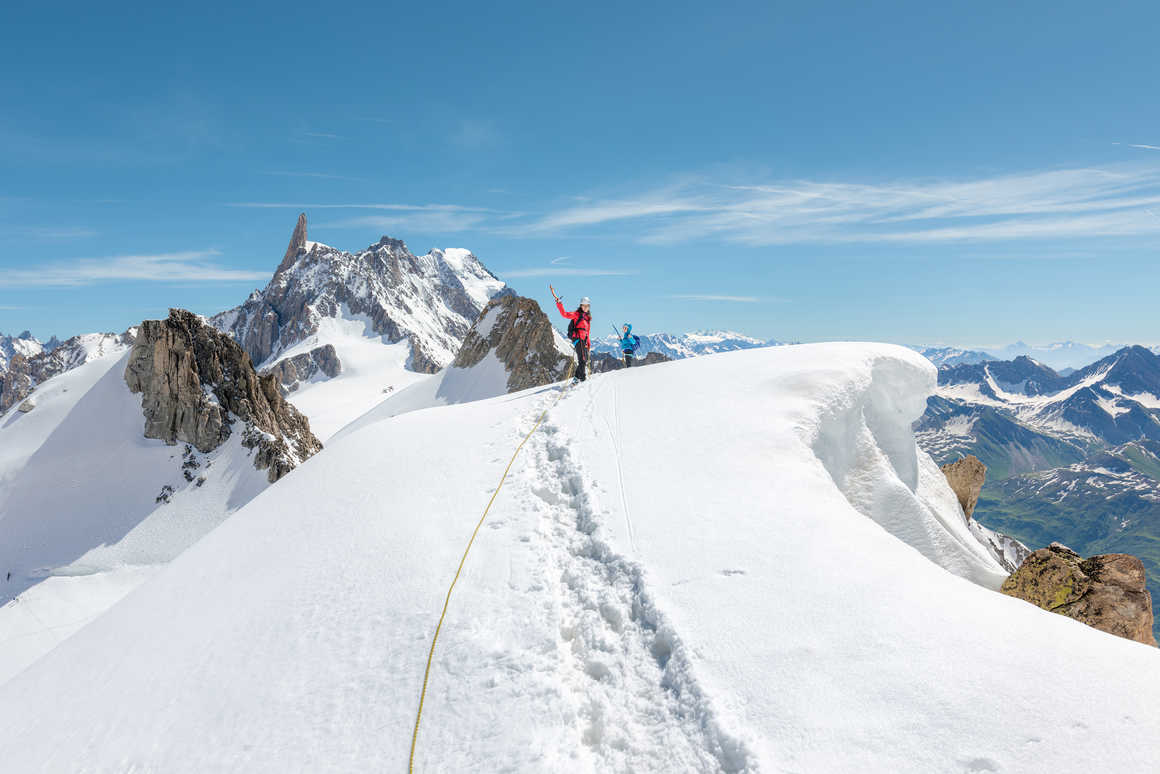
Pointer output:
968, 173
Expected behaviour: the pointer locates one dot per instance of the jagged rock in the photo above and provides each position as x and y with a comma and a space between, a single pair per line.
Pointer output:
966, 477
26, 406
1105, 591
603, 361
291, 371
430, 300
297, 244
196, 381
523, 339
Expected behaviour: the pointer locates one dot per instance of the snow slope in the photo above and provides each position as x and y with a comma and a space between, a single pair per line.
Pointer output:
676, 577
372, 370
78, 501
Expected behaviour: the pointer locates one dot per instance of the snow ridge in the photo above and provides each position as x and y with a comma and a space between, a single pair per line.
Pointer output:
629, 674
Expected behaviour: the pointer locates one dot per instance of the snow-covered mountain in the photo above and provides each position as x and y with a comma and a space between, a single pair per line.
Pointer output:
941, 356
112, 468
389, 316
775, 582
677, 346
22, 344
429, 301
1113, 400
28, 363
1058, 355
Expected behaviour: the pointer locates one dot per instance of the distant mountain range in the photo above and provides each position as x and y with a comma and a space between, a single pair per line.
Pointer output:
1073, 458
682, 345
1064, 356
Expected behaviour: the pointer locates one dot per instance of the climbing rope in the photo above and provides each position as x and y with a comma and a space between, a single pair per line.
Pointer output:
458, 570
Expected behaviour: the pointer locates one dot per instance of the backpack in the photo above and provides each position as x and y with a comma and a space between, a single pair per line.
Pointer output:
635, 342
573, 330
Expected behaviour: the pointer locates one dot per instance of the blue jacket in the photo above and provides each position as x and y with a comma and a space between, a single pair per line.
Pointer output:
628, 342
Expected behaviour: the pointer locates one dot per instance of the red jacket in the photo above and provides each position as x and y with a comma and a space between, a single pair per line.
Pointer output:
583, 321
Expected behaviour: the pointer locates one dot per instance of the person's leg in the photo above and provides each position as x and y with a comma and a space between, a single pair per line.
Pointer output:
628, 360
581, 360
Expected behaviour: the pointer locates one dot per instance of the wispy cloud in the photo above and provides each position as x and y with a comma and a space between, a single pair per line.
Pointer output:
709, 297
561, 271
323, 135
561, 259
1069, 203
1145, 147
189, 266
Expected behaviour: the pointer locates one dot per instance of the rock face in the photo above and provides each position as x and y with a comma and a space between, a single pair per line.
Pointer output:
29, 366
292, 371
603, 361
522, 338
197, 382
1105, 591
429, 300
966, 477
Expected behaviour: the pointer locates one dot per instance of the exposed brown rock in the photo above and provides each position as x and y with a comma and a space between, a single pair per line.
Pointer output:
294, 370
523, 339
966, 477
297, 243
1105, 591
195, 381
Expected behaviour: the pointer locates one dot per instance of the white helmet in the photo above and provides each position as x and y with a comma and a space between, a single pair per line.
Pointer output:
584, 301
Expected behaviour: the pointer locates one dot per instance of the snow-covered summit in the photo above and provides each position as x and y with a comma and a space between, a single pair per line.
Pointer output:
20, 376
22, 344
778, 581
427, 301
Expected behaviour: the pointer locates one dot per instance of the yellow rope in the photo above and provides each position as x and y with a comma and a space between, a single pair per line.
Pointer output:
458, 570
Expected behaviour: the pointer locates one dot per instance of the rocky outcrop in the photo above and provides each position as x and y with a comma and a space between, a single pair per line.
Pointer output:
604, 361
522, 338
966, 477
297, 244
26, 371
196, 383
292, 371
429, 300
1105, 591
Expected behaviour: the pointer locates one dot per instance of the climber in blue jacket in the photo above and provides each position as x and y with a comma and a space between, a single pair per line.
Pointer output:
628, 344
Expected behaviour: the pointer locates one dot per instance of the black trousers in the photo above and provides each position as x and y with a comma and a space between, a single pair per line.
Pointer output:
628, 360
581, 359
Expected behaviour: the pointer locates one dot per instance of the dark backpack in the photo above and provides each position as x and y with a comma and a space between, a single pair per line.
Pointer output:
573, 331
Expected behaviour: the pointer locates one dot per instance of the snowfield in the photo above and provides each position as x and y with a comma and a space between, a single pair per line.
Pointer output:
738, 562
80, 520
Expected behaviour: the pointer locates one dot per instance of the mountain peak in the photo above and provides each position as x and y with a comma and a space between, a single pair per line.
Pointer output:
297, 243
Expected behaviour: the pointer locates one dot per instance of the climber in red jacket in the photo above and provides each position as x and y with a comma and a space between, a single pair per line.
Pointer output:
578, 329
